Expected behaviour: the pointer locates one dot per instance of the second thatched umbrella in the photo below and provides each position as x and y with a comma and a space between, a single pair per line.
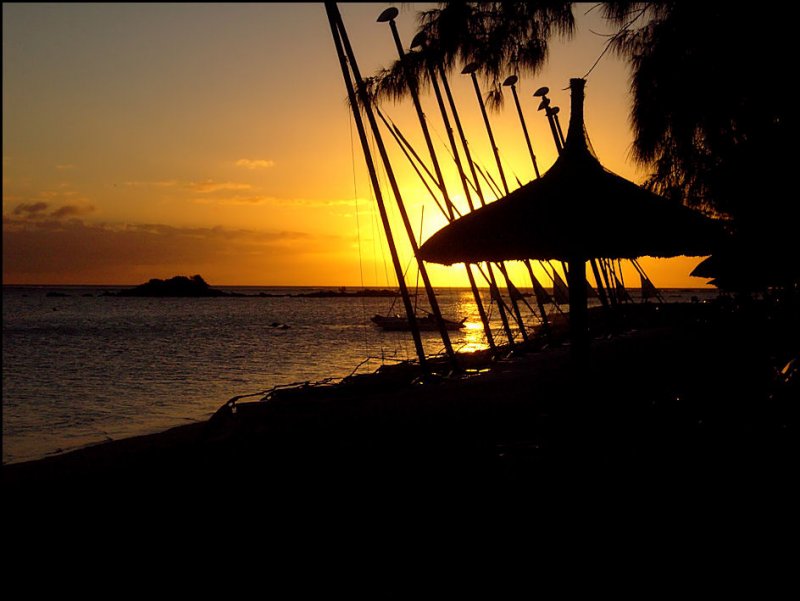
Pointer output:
743, 265
576, 211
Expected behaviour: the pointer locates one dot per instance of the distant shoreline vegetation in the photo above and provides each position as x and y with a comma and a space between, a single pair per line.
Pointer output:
195, 286
304, 291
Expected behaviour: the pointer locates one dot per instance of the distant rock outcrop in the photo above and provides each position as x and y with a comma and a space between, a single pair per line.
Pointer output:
196, 286
179, 285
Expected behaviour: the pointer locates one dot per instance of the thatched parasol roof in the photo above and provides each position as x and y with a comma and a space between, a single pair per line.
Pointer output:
577, 210
748, 266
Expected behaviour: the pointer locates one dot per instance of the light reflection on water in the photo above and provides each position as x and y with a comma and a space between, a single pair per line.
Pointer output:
84, 368
474, 336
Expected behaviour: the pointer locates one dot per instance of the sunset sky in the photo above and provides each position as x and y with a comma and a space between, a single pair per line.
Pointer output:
152, 140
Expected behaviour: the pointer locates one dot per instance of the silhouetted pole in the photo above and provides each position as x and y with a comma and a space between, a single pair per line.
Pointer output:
538, 290
389, 15
494, 291
467, 155
338, 31
545, 106
512, 81
403, 144
367, 105
558, 137
578, 310
470, 70
554, 112
576, 274
419, 41
434, 303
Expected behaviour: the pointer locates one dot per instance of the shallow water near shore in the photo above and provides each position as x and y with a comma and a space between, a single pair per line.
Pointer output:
81, 367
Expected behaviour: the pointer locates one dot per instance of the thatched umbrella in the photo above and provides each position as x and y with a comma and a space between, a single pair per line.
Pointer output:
751, 266
576, 211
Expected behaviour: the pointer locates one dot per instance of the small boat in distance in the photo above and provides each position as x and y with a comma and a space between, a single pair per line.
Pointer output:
427, 323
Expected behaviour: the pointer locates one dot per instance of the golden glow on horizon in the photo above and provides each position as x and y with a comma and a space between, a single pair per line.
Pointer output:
232, 154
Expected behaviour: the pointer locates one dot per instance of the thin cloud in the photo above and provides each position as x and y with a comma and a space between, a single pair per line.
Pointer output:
155, 184
65, 167
239, 200
38, 210
71, 211
255, 163
232, 200
319, 202
210, 185
34, 209
70, 251
207, 186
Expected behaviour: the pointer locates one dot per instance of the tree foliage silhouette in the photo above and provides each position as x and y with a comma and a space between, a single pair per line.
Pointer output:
709, 94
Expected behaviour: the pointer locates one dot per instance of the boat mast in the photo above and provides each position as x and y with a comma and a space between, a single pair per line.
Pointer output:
511, 81
334, 14
538, 290
549, 112
389, 16
489, 276
339, 34
470, 70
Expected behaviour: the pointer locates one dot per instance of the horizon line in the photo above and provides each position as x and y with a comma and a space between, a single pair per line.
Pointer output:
335, 286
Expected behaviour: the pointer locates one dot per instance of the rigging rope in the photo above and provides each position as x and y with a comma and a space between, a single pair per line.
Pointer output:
358, 234
613, 38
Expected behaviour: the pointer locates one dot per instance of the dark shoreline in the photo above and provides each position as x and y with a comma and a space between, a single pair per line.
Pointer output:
363, 293
691, 399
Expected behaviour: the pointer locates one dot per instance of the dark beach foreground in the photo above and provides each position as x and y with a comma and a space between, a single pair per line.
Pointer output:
677, 400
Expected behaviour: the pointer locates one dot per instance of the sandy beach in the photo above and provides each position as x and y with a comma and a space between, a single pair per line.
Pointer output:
692, 400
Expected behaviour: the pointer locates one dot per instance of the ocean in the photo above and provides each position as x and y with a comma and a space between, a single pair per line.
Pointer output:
82, 367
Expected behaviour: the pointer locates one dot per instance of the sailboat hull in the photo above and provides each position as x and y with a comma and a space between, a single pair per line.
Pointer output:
427, 323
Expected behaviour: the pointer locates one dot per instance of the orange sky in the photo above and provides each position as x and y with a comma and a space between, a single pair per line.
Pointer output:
150, 140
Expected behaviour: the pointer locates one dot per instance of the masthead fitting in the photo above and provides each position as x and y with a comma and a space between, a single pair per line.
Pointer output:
388, 15
510, 80
419, 40
470, 68
541, 91
555, 110
544, 104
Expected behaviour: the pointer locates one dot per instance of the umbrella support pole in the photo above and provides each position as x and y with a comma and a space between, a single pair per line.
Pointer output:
578, 309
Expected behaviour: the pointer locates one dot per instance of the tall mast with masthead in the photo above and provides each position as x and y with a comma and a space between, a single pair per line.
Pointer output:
341, 39
389, 16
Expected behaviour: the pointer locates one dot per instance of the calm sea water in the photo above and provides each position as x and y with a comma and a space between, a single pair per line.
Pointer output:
83, 368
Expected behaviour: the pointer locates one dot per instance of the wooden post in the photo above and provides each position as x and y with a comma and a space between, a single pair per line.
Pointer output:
489, 276
440, 178
512, 81
337, 29
366, 103
578, 310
